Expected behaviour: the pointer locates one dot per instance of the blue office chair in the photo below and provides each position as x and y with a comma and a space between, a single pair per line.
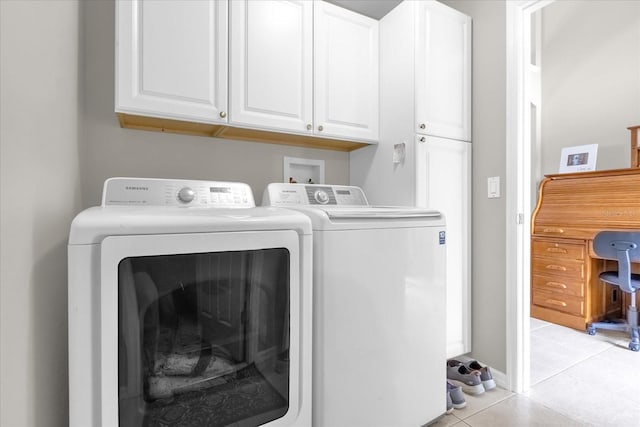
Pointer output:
624, 247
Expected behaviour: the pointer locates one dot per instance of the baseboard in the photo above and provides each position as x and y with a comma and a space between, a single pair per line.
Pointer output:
500, 378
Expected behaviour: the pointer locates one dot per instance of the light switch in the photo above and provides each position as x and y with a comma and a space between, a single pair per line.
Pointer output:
493, 187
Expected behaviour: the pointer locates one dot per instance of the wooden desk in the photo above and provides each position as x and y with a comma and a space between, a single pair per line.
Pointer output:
571, 210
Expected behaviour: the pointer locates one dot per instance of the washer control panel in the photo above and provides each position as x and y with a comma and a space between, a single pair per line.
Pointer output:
176, 192
278, 194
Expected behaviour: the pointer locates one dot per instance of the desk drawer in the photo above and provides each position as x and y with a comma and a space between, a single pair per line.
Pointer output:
557, 284
548, 248
558, 266
564, 303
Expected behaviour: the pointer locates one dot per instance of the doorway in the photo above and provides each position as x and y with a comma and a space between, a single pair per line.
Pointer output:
590, 61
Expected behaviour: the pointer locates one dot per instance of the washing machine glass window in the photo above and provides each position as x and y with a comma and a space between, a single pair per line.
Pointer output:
200, 328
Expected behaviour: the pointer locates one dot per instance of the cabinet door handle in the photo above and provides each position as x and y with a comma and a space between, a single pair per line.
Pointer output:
557, 285
423, 126
422, 139
553, 230
309, 127
320, 128
223, 114
556, 302
556, 267
557, 250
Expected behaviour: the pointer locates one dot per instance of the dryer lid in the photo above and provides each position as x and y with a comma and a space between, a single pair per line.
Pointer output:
380, 212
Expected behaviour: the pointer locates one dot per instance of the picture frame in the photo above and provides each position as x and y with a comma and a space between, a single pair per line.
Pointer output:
579, 158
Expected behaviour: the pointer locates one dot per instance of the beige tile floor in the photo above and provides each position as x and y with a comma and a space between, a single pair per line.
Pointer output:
576, 380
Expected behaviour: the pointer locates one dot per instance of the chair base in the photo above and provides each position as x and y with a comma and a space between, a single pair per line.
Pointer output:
630, 325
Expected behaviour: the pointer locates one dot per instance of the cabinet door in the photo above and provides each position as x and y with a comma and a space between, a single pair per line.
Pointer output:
171, 59
271, 64
443, 71
345, 73
443, 182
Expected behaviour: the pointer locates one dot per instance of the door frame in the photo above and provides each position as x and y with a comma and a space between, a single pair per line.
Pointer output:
518, 192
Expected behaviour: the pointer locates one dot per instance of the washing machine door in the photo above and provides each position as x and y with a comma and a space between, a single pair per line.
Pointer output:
196, 329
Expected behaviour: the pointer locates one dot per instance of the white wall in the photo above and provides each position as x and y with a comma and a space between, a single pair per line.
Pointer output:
590, 79
489, 145
39, 182
59, 140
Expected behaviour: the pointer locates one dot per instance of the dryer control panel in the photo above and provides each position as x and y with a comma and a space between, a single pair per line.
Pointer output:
176, 192
280, 194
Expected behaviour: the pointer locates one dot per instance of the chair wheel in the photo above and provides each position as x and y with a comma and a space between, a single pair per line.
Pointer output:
634, 347
591, 330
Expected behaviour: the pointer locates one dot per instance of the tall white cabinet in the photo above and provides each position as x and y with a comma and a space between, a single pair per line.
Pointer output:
425, 104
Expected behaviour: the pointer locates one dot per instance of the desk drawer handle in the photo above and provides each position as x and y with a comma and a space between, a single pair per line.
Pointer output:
557, 250
553, 230
557, 285
556, 267
556, 302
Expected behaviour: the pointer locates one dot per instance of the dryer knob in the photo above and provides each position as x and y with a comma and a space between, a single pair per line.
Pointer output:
321, 197
186, 195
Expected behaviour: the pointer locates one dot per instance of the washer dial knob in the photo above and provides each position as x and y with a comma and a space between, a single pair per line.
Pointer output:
186, 195
321, 197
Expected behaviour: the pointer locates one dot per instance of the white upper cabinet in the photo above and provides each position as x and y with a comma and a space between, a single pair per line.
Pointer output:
261, 68
271, 64
346, 73
306, 67
171, 59
443, 71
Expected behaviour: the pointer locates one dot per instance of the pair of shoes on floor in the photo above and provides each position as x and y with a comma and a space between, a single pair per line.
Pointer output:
455, 398
460, 375
471, 376
485, 374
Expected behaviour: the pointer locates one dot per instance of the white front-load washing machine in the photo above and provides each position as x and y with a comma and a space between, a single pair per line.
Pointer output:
188, 306
379, 307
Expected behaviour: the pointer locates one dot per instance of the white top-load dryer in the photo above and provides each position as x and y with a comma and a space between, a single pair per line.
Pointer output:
379, 307
188, 306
